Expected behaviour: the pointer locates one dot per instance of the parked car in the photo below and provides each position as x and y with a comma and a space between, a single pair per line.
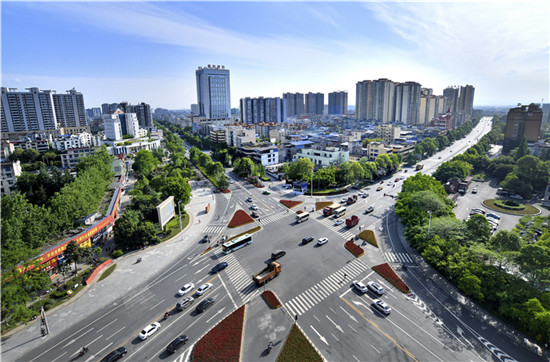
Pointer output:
266, 192
307, 239
185, 289
205, 304
322, 241
381, 306
177, 343
494, 216
115, 355
184, 303
360, 286
221, 266
474, 190
149, 330
375, 287
517, 197
379, 188
204, 288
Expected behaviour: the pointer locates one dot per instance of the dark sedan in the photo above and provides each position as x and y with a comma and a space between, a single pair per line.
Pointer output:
221, 266
115, 355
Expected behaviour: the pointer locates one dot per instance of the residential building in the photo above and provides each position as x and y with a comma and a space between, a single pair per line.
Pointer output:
10, 171
108, 108
388, 132
217, 134
93, 113
65, 142
459, 101
40, 145
263, 129
323, 157
236, 135
261, 110
338, 103
69, 109
265, 154
294, 104
315, 103
443, 122
407, 103
375, 100
113, 127
7, 149
142, 111
522, 121
70, 158
213, 92
375, 149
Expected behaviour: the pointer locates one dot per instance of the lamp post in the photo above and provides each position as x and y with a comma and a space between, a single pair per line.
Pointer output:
179, 212
430, 222
311, 182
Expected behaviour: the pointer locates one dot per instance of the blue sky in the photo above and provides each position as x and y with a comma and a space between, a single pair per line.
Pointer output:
149, 51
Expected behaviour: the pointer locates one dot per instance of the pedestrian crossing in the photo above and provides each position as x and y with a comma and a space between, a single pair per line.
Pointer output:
186, 355
241, 280
342, 229
214, 229
317, 293
399, 257
264, 220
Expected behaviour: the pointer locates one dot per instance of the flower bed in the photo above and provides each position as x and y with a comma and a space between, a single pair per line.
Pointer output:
387, 273
320, 205
240, 218
369, 237
354, 249
207, 250
225, 191
290, 204
223, 342
300, 211
271, 299
298, 348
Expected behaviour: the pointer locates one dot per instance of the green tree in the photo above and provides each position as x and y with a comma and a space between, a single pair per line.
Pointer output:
513, 184
452, 169
506, 240
523, 149
144, 163
470, 285
73, 253
534, 260
478, 229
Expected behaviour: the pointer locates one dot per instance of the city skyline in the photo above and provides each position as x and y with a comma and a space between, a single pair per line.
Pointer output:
148, 52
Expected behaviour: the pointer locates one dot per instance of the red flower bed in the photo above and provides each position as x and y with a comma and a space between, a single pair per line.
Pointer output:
272, 299
354, 249
223, 342
225, 191
300, 211
387, 273
290, 204
240, 218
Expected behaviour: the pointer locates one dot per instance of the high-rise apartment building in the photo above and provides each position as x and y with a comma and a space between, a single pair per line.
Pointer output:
259, 110
407, 103
338, 103
459, 101
213, 92
37, 110
466, 100
522, 121
375, 100
142, 111
294, 103
315, 103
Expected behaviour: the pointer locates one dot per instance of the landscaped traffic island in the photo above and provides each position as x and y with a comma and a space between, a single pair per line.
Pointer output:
298, 348
510, 207
369, 237
223, 342
387, 273
271, 299
354, 249
240, 218
290, 204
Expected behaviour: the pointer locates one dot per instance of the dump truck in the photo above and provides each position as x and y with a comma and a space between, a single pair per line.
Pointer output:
419, 167
271, 271
327, 211
352, 199
352, 221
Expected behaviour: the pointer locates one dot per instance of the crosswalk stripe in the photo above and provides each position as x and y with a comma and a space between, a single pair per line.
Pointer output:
322, 290
305, 301
312, 297
298, 306
331, 284
293, 308
315, 292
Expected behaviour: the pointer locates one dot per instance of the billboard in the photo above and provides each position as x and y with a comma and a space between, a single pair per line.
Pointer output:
166, 211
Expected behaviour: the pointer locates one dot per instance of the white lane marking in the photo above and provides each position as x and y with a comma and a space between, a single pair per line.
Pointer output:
229, 294
112, 335
157, 304
59, 356
180, 278
74, 339
374, 348
98, 353
108, 324
146, 299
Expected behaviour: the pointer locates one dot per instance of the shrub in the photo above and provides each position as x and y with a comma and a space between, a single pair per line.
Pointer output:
240, 218
354, 249
272, 299
117, 253
387, 273
98, 250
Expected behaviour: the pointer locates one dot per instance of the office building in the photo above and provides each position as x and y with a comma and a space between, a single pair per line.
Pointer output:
37, 110
315, 103
338, 103
260, 110
213, 92
375, 100
407, 103
294, 104
522, 121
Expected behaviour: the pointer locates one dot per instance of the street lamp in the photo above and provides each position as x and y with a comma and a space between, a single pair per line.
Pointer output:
179, 212
311, 183
430, 222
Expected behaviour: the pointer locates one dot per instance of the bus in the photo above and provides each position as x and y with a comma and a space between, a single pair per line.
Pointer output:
302, 217
236, 243
339, 212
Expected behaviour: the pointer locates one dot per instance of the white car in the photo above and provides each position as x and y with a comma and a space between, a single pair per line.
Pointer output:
362, 287
375, 287
254, 207
185, 289
149, 330
339, 222
381, 306
249, 199
204, 288
343, 201
322, 241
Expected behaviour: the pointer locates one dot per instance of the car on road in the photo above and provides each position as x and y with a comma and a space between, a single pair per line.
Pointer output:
339, 222
390, 183
254, 207
381, 306
266, 192
397, 179
277, 254
254, 214
494, 216
375, 287
322, 241
205, 238
369, 210
115, 355
231, 182
204, 288
205, 304
287, 186
365, 195
184, 303
360, 286
439, 158
185, 289
149, 330
249, 199
307, 239
517, 197
177, 343
379, 188
343, 201
474, 190
221, 266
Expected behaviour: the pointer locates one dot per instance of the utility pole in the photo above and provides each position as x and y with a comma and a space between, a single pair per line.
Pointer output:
179, 212
44, 329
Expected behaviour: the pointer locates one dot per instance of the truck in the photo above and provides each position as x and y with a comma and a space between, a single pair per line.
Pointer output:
271, 271
419, 167
352, 221
352, 199
327, 211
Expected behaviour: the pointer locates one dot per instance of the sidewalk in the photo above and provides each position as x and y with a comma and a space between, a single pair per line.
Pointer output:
121, 282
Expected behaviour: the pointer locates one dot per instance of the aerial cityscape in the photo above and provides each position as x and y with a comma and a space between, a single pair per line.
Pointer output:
246, 181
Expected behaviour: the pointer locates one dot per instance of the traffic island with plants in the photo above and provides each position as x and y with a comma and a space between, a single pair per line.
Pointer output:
223, 342
271, 299
387, 273
510, 207
369, 237
320, 205
298, 348
354, 249
290, 204
240, 218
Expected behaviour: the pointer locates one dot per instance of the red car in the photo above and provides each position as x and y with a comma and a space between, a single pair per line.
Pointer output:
397, 179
